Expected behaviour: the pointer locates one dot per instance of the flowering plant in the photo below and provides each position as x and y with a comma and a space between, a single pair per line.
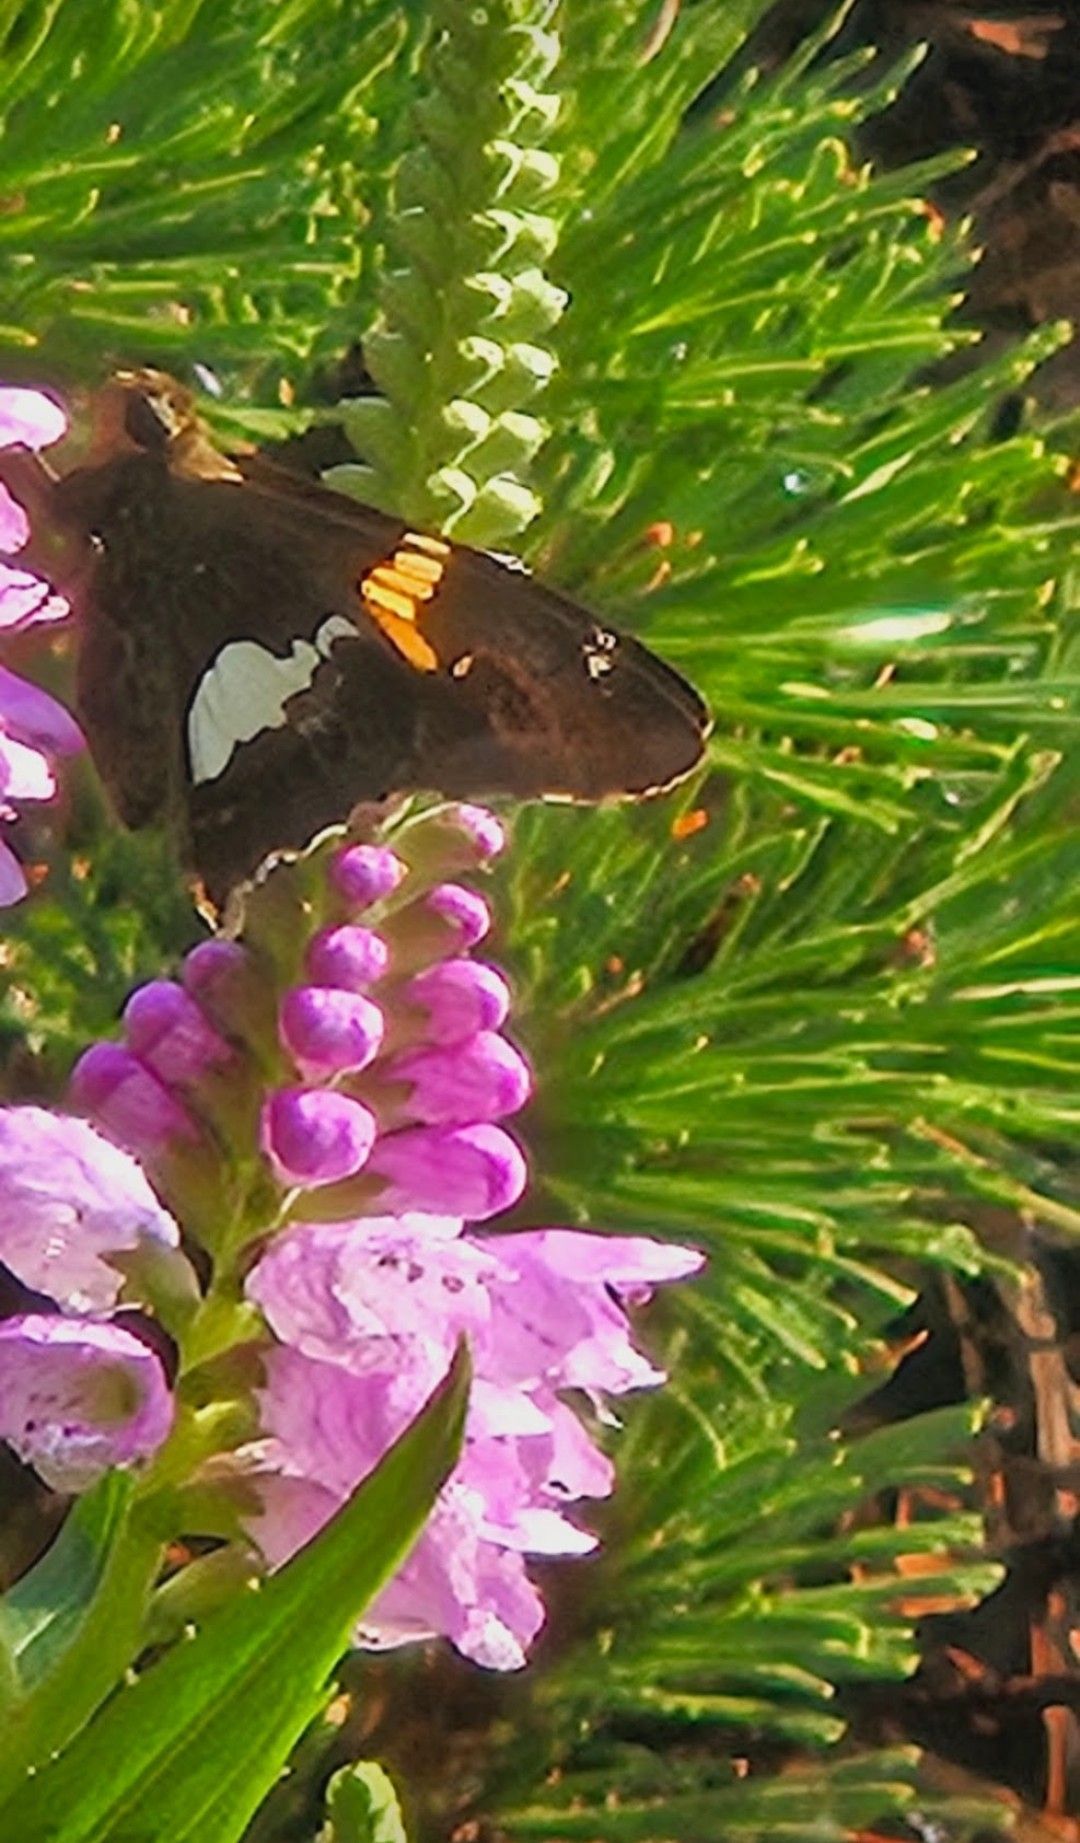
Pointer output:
252, 1262
585, 292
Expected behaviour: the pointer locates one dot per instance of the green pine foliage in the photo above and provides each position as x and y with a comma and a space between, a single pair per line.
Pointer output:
690, 356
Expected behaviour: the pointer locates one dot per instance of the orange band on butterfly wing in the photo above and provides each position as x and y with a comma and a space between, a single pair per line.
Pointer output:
392, 594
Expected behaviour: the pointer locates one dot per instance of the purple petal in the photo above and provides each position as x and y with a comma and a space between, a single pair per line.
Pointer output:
14, 524
68, 1199
460, 998
315, 1136
35, 717
24, 599
349, 956
484, 1078
327, 1031
363, 874
471, 1171
78, 1396
28, 418
561, 1322
122, 1093
12, 881
24, 772
358, 1293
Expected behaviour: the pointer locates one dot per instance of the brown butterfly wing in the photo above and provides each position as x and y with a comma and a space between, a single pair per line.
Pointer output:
201, 570
533, 695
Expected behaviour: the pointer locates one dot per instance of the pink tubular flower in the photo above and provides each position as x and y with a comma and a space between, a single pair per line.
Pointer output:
366, 1315
78, 1396
33, 726
68, 1200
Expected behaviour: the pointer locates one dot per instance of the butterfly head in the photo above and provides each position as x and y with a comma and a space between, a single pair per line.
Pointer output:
147, 412
156, 410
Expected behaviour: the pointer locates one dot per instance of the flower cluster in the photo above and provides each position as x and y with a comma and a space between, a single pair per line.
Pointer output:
80, 1389
33, 726
323, 1106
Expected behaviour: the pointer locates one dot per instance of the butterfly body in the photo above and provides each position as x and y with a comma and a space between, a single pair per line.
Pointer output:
258, 653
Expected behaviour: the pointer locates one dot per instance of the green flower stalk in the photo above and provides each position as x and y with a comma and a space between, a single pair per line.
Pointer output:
459, 349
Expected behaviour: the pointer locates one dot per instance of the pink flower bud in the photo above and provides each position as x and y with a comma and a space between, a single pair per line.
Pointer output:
78, 1396
214, 967
469, 1171
235, 992
363, 874
485, 833
348, 956
315, 1136
167, 1030
451, 838
327, 1031
460, 997
127, 1099
462, 909
483, 1078
448, 919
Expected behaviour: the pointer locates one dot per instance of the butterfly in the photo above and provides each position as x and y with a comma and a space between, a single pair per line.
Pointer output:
258, 653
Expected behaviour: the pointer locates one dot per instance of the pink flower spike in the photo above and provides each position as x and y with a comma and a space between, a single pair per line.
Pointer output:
28, 418
68, 1199
460, 997
364, 874
128, 1100
78, 1396
169, 1033
484, 1078
469, 1171
349, 956
328, 1032
463, 910
315, 1136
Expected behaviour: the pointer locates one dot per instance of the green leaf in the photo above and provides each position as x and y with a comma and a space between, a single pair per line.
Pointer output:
362, 1806
192, 1748
41, 1614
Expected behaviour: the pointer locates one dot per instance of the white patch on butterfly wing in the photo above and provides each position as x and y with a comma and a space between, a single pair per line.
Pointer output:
246, 690
335, 627
509, 561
